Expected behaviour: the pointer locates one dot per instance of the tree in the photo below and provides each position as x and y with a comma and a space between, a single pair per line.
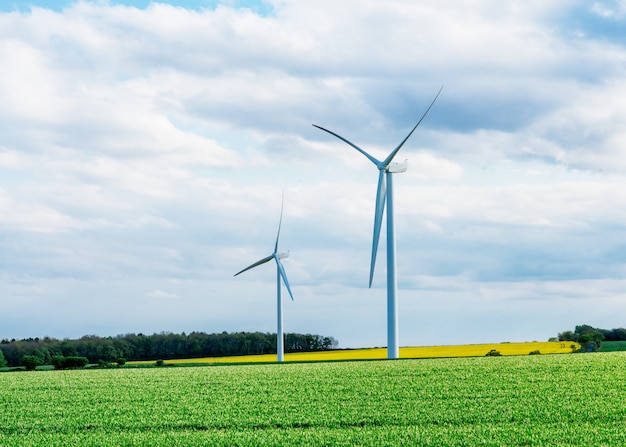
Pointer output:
618, 334
43, 354
30, 362
568, 336
57, 361
589, 337
164, 345
3, 361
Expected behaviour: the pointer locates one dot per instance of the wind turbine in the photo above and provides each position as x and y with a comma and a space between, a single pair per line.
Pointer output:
280, 273
385, 193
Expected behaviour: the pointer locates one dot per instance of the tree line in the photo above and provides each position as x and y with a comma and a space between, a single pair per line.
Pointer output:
164, 345
591, 338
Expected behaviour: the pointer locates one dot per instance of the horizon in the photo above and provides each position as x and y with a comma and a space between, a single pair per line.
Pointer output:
186, 333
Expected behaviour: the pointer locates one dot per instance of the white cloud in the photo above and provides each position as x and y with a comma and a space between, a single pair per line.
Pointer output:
613, 9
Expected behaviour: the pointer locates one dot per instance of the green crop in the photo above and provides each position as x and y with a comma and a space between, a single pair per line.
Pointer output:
545, 400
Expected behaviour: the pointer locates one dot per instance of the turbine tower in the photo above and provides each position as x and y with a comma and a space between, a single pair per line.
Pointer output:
280, 274
385, 193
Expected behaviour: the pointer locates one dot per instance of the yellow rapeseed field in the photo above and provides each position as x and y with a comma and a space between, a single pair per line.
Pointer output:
410, 352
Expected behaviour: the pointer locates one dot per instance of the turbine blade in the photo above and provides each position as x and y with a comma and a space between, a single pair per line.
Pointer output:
372, 159
395, 151
283, 275
262, 261
280, 221
381, 196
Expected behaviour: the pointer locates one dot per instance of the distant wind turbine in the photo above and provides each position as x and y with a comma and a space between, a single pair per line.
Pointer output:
385, 193
280, 273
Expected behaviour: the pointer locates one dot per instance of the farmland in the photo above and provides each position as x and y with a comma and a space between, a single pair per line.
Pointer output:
410, 352
518, 400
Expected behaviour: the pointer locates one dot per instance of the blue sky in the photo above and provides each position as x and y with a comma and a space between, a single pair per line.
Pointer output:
144, 151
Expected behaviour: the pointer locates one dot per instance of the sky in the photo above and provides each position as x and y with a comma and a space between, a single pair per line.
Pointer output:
145, 147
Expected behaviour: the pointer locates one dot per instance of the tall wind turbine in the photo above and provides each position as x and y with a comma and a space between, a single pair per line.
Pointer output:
385, 193
280, 273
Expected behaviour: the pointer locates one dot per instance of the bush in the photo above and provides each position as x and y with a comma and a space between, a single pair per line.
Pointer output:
535, 352
75, 362
104, 364
493, 353
30, 362
71, 362
57, 361
159, 362
3, 360
121, 361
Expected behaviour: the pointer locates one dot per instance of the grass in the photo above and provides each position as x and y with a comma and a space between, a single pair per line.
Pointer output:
551, 400
611, 346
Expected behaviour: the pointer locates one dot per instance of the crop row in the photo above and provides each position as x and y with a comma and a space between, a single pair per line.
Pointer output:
530, 400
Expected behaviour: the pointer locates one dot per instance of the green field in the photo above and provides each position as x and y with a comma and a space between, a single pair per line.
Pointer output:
610, 346
549, 400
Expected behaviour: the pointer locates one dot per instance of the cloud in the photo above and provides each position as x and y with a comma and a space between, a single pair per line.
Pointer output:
615, 10
147, 147
161, 294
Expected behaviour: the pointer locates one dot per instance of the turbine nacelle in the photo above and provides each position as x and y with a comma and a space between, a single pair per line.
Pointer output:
282, 255
396, 168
